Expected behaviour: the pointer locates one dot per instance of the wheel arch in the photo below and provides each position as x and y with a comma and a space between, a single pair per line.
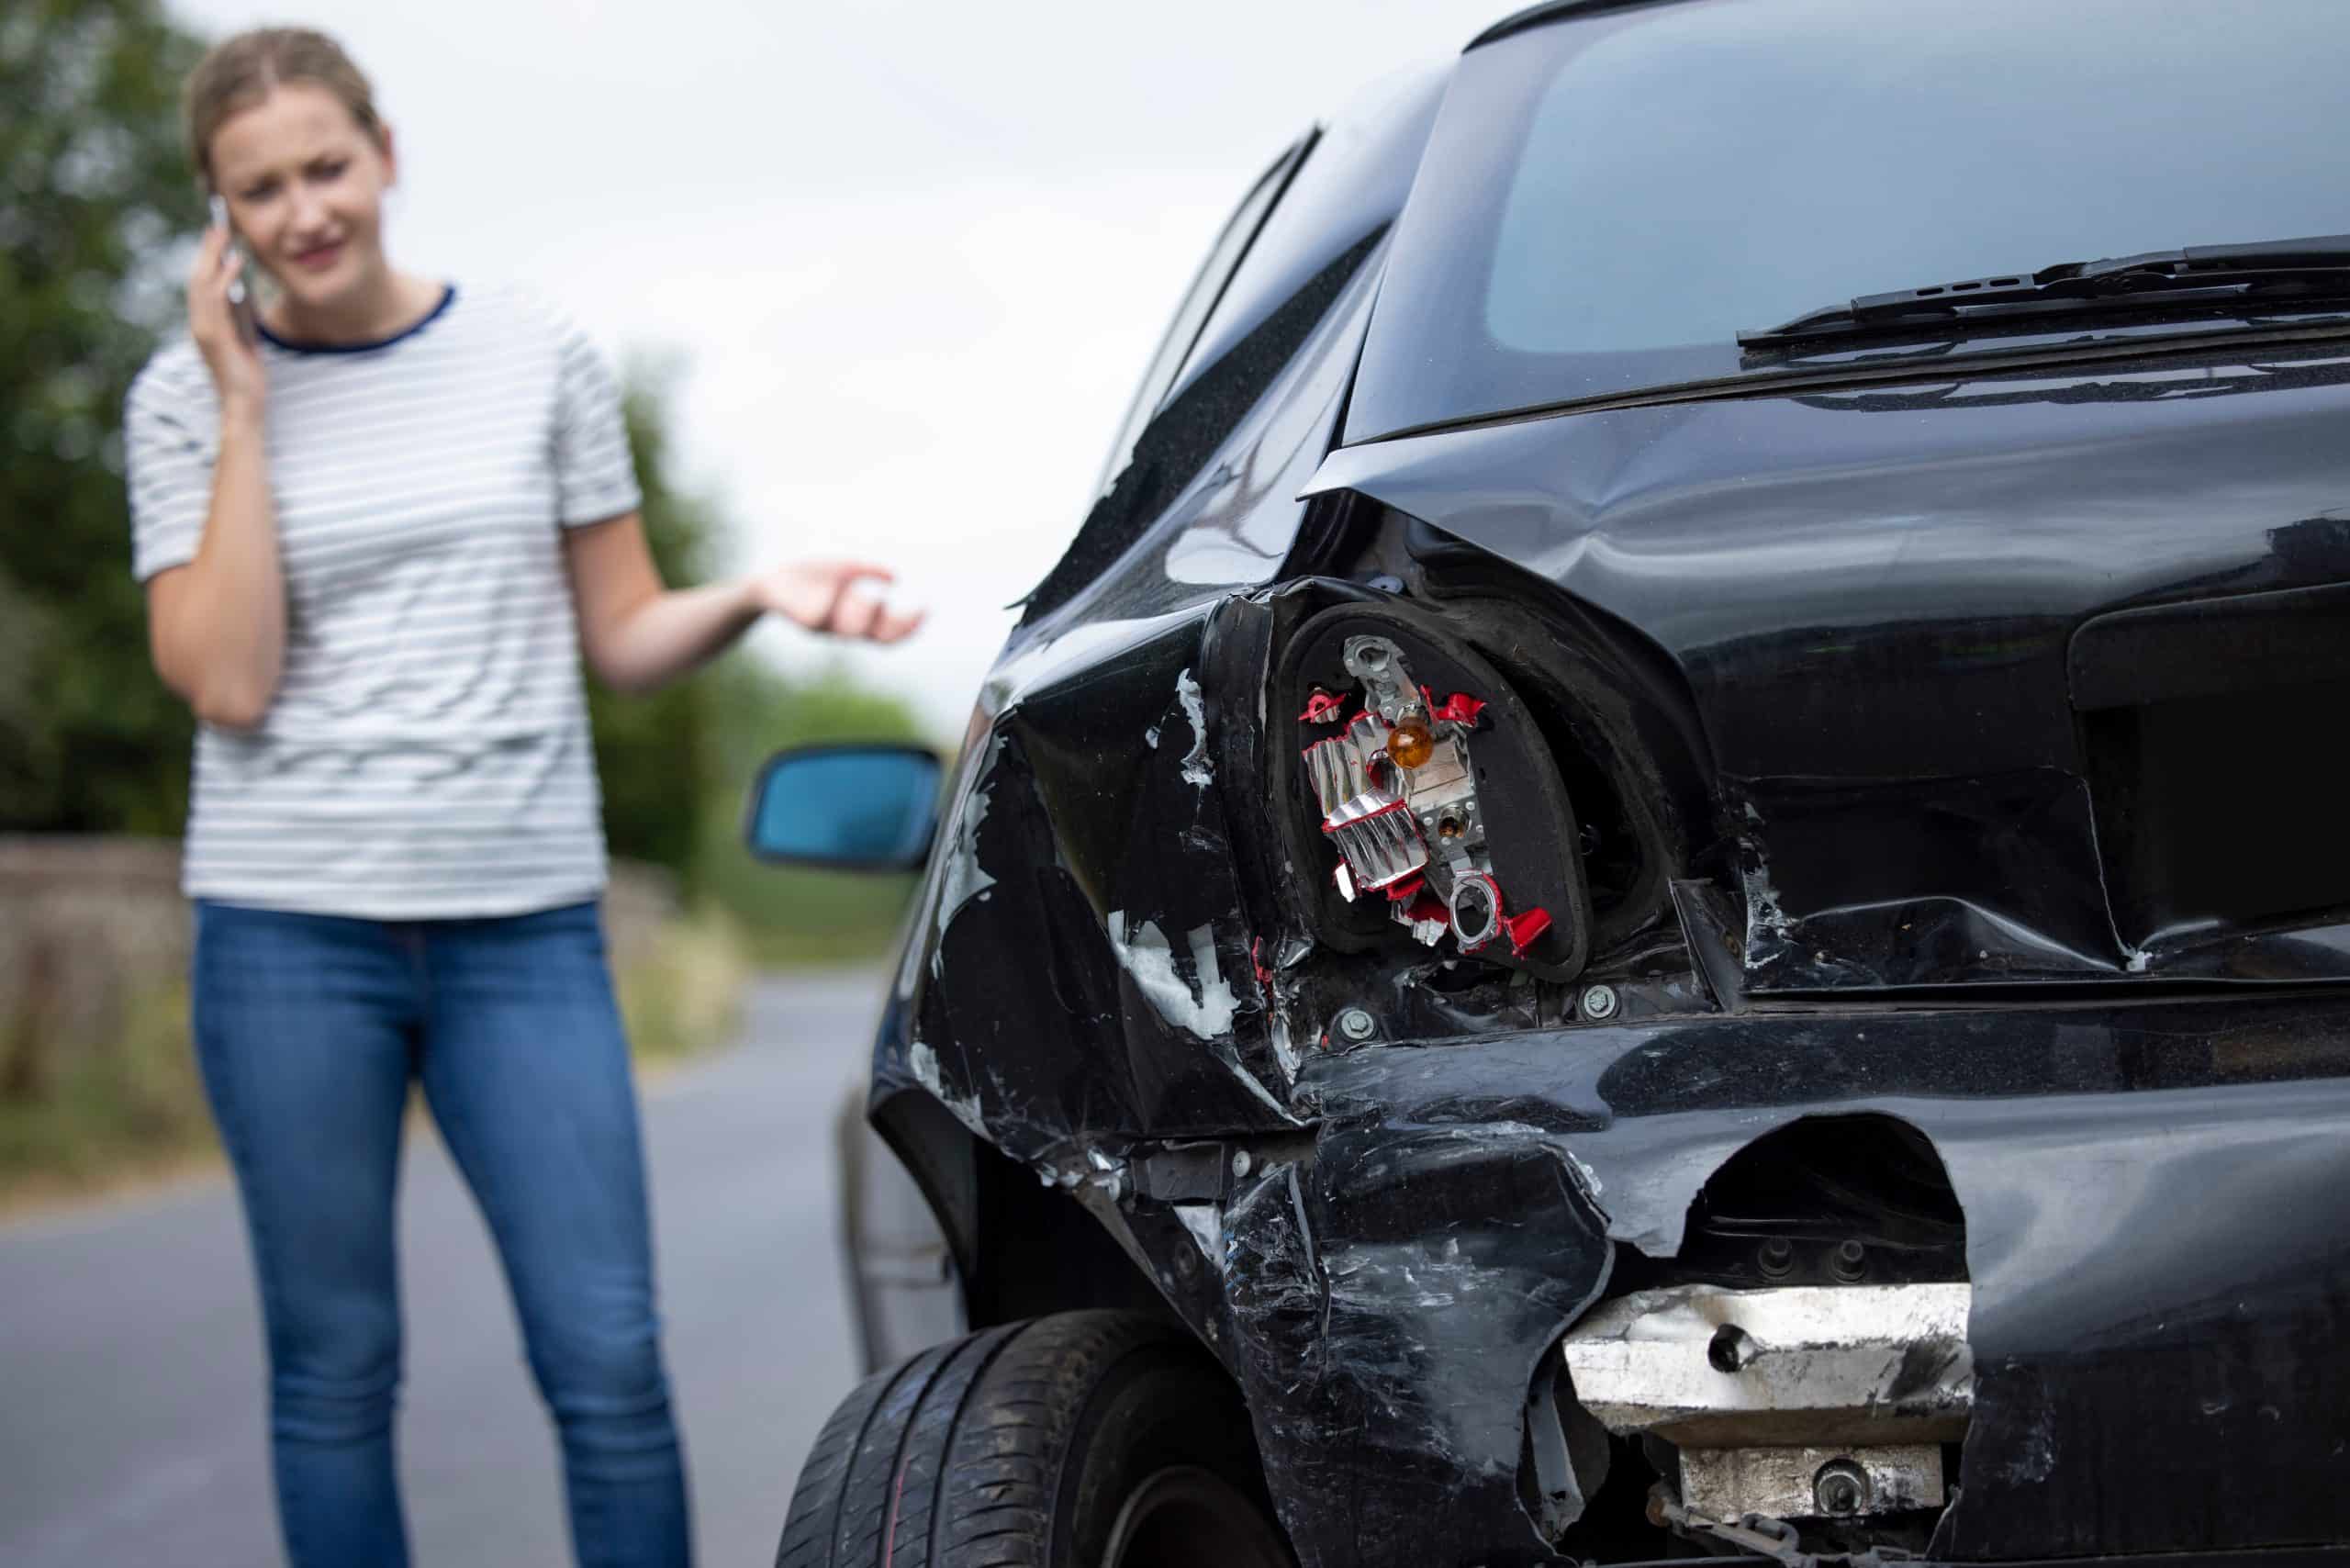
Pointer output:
1019, 1248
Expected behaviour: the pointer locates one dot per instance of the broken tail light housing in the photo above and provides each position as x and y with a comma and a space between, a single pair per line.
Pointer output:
1438, 812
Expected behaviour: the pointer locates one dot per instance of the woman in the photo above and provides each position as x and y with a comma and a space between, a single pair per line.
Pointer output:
375, 537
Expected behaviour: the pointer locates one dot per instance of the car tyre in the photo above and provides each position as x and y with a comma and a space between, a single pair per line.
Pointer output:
1085, 1439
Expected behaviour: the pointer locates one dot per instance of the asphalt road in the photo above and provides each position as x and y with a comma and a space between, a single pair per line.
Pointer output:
131, 1399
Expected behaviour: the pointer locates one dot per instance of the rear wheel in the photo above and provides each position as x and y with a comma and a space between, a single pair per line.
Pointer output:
1087, 1439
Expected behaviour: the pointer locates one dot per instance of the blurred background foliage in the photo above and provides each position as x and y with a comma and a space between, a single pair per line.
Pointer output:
675, 765
97, 211
94, 193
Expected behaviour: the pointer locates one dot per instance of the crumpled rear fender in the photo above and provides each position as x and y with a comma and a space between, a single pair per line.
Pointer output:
1384, 1244
2154, 1201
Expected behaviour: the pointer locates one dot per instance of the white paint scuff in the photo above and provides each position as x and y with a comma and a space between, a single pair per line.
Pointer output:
1592, 1185
1207, 1006
1196, 771
964, 880
964, 1108
1206, 1226
960, 878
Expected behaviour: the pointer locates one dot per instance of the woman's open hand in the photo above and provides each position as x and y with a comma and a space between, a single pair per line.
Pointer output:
824, 596
236, 372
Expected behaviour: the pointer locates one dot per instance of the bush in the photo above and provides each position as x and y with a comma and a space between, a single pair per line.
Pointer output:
132, 1109
685, 995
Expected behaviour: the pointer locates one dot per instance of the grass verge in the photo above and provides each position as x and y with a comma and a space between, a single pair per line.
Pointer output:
132, 1113
686, 994
127, 1113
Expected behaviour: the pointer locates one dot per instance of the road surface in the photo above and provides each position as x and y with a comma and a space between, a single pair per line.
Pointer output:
131, 1400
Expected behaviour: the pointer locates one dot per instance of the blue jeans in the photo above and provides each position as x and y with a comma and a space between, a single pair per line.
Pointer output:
308, 1029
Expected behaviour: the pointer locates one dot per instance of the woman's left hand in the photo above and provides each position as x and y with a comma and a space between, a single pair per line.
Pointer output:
824, 596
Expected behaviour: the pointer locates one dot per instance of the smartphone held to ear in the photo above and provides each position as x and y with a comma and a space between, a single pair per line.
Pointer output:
241, 297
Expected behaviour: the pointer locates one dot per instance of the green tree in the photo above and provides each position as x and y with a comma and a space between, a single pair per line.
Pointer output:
675, 766
652, 752
95, 199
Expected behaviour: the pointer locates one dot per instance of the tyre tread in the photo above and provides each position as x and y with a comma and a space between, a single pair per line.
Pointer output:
956, 1458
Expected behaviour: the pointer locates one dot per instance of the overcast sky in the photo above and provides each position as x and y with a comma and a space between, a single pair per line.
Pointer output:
911, 254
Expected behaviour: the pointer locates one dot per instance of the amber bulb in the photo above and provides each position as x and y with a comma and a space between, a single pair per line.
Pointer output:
1410, 744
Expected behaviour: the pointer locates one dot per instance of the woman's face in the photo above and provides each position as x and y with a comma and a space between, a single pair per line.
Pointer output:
304, 186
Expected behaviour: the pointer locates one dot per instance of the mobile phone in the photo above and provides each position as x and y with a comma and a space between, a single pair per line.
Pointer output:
241, 297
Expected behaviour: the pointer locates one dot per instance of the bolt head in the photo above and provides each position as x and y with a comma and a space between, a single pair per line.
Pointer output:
1355, 1024
1241, 1163
1840, 1489
1599, 1002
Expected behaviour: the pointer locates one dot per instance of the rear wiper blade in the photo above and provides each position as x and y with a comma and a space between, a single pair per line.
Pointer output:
2316, 267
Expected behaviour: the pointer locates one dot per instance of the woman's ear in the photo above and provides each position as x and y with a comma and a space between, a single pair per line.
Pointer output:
391, 160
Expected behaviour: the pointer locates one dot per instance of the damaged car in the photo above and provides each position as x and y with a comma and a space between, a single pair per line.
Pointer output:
1666, 875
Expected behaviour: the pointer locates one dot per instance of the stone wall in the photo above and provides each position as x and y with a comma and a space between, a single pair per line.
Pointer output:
88, 926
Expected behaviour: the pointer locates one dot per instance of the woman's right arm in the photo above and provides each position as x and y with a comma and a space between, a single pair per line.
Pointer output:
217, 625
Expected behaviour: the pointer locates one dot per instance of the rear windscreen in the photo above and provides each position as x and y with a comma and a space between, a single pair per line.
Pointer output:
1609, 198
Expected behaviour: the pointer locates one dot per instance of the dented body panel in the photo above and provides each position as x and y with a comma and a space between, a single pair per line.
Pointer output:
1951, 898
2155, 1243
1890, 608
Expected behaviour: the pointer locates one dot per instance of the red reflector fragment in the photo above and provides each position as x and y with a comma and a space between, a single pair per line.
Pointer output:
1457, 709
1426, 905
1405, 889
1524, 929
1321, 708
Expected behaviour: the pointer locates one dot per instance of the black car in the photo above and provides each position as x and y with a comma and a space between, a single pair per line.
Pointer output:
1667, 875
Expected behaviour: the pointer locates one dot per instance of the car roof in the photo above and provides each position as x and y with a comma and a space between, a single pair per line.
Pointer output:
1550, 11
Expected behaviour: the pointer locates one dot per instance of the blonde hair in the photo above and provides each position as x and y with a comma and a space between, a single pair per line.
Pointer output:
239, 72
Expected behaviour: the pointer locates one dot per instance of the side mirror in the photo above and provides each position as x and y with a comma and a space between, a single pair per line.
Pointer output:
845, 808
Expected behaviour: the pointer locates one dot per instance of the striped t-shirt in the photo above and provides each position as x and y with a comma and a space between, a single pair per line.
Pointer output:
427, 754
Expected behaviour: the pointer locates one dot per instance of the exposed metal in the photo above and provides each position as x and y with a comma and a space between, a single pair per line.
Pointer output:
1840, 1488
1729, 1348
1387, 684
1376, 834
1397, 795
1475, 909
1813, 1482
1340, 767
1757, 1534
1824, 1364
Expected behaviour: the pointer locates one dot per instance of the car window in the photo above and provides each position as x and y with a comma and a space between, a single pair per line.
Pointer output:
1349, 191
1609, 198
1223, 259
